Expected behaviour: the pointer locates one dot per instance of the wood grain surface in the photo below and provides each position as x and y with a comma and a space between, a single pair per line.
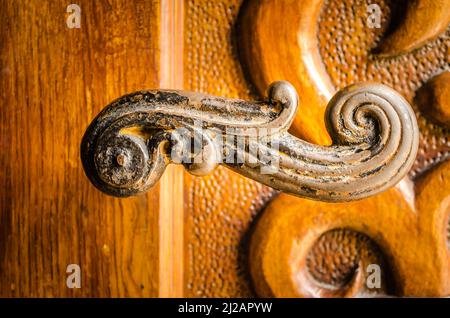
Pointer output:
54, 80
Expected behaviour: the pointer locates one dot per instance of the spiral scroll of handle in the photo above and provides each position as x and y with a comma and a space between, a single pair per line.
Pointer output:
374, 131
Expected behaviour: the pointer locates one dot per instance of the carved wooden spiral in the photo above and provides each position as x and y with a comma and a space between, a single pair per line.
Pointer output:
127, 147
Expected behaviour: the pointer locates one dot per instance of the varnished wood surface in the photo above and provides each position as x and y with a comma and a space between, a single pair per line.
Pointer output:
54, 80
172, 198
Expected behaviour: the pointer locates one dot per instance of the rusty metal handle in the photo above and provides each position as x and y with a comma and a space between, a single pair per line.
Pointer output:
374, 131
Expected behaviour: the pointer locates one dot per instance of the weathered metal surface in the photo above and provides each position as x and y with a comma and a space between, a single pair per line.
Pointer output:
374, 131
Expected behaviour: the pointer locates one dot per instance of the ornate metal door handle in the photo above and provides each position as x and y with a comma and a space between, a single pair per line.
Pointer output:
374, 131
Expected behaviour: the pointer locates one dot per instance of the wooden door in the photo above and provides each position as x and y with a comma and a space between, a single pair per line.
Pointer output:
222, 235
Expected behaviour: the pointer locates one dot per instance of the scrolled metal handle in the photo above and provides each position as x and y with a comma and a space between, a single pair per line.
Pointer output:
374, 131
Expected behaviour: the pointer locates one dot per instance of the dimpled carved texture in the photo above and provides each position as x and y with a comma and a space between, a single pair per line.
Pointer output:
212, 58
338, 254
221, 210
448, 232
221, 206
348, 48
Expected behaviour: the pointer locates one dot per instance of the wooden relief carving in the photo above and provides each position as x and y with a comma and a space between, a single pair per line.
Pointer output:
221, 206
311, 249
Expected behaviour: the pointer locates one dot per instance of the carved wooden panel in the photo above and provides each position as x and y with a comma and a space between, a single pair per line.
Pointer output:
349, 51
299, 247
221, 206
